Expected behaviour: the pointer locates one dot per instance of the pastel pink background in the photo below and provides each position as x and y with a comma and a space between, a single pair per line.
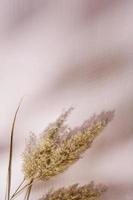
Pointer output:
69, 53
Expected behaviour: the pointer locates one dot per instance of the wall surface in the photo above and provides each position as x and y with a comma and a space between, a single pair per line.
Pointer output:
59, 54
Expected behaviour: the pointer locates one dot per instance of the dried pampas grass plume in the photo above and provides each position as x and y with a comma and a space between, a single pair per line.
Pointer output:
58, 146
75, 192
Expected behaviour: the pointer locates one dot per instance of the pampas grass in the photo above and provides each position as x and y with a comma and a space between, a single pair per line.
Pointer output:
76, 192
53, 152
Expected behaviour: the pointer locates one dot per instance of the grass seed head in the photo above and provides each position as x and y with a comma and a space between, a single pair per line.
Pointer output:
75, 192
52, 153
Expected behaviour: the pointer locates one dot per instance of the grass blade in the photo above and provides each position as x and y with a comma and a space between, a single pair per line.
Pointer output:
10, 154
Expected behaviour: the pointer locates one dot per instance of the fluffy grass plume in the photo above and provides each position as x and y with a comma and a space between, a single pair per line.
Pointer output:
75, 192
58, 147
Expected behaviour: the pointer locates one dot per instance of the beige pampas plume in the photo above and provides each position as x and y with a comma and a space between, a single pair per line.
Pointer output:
59, 146
75, 192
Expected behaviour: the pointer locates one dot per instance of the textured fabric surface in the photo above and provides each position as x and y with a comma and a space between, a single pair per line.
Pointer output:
59, 54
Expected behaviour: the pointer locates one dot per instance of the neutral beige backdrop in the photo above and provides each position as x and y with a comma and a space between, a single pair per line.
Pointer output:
69, 53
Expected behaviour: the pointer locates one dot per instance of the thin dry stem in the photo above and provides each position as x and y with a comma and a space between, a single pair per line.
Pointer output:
28, 192
22, 189
22, 182
11, 154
